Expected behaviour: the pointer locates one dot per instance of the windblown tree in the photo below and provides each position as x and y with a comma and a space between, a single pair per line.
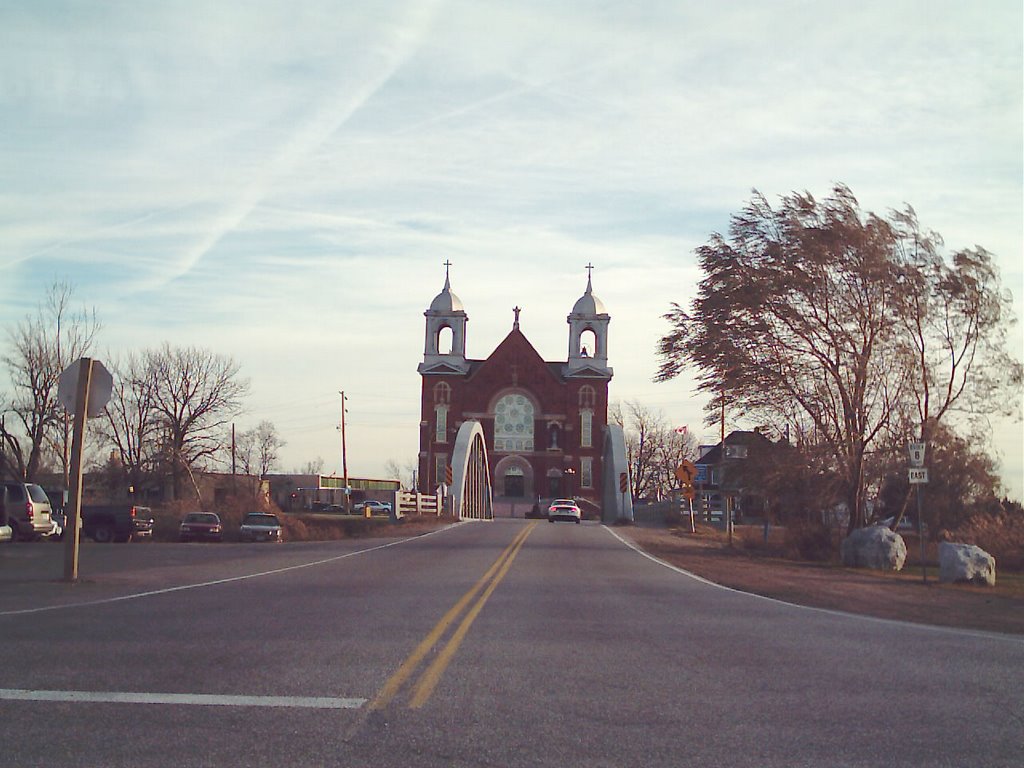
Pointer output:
804, 313
41, 347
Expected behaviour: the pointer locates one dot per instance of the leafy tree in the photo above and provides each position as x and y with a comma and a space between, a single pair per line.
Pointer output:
805, 313
41, 347
962, 483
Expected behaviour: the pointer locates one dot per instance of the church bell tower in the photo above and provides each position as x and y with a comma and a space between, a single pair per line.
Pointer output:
588, 336
446, 313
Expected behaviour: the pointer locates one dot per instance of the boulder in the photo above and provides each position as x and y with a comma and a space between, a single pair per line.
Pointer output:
966, 562
874, 547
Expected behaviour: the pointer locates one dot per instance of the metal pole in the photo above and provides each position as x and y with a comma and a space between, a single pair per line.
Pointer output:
344, 456
726, 512
920, 536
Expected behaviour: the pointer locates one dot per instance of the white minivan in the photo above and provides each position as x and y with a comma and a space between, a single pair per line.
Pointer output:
26, 509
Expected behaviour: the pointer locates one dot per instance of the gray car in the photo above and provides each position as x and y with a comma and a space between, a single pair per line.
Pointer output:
26, 509
261, 526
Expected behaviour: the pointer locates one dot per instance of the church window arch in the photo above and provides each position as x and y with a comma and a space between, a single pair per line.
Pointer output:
587, 396
445, 340
586, 428
513, 423
442, 393
441, 423
588, 343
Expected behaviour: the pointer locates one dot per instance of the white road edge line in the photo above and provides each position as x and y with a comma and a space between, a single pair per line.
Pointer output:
216, 582
827, 611
189, 699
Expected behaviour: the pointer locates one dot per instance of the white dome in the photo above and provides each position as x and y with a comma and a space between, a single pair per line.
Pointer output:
589, 304
446, 301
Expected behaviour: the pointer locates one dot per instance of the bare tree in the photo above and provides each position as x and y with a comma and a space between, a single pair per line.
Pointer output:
42, 346
653, 450
257, 449
312, 467
196, 393
405, 475
130, 421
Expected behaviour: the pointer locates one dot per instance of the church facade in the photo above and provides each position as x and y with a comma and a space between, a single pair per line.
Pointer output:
544, 421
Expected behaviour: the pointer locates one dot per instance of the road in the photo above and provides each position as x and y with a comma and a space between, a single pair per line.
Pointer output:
511, 643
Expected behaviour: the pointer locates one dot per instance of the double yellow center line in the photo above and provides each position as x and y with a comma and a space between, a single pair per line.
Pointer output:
424, 686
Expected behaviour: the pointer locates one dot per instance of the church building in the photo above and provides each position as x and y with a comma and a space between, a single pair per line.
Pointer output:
544, 421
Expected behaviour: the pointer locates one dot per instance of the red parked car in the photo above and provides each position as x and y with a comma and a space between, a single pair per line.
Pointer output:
200, 526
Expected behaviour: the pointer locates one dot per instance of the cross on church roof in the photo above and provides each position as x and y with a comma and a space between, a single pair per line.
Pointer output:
446, 265
516, 311
590, 268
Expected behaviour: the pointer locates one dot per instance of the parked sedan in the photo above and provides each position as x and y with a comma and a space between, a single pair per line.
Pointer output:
564, 509
200, 526
261, 526
375, 507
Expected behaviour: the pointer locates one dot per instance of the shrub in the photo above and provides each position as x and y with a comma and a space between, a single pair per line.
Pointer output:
809, 541
1001, 534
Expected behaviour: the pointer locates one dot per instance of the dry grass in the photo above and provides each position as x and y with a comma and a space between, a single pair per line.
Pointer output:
751, 566
297, 527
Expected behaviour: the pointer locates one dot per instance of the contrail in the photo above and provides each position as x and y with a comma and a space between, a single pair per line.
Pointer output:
407, 39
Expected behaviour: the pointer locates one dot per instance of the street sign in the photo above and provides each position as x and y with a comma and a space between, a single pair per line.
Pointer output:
918, 475
702, 474
916, 454
100, 387
686, 472
623, 482
687, 492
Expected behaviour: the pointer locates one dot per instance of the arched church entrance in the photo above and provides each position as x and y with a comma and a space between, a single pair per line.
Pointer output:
514, 478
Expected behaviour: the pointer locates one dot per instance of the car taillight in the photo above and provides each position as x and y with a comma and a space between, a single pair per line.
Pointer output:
133, 511
29, 511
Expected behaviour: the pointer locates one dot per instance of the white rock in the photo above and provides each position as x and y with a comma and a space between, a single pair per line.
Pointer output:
966, 562
874, 547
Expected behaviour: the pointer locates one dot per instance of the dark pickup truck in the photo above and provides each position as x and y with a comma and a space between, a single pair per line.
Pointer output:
116, 522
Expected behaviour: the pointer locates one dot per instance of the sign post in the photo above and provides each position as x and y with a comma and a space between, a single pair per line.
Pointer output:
83, 389
918, 476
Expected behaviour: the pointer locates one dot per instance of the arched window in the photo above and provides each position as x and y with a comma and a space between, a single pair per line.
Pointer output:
441, 423
588, 343
442, 393
586, 428
445, 340
587, 396
513, 424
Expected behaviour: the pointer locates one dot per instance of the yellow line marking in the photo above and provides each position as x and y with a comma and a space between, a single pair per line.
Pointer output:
424, 688
395, 682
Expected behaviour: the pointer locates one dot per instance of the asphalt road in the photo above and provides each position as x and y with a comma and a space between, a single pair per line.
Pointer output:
512, 643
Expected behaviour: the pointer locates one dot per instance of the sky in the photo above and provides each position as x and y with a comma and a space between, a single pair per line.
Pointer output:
282, 182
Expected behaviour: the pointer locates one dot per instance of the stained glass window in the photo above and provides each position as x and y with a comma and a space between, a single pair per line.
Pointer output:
513, 424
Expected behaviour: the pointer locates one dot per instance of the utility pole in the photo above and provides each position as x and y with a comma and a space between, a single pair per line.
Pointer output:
726, 511
344, 456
